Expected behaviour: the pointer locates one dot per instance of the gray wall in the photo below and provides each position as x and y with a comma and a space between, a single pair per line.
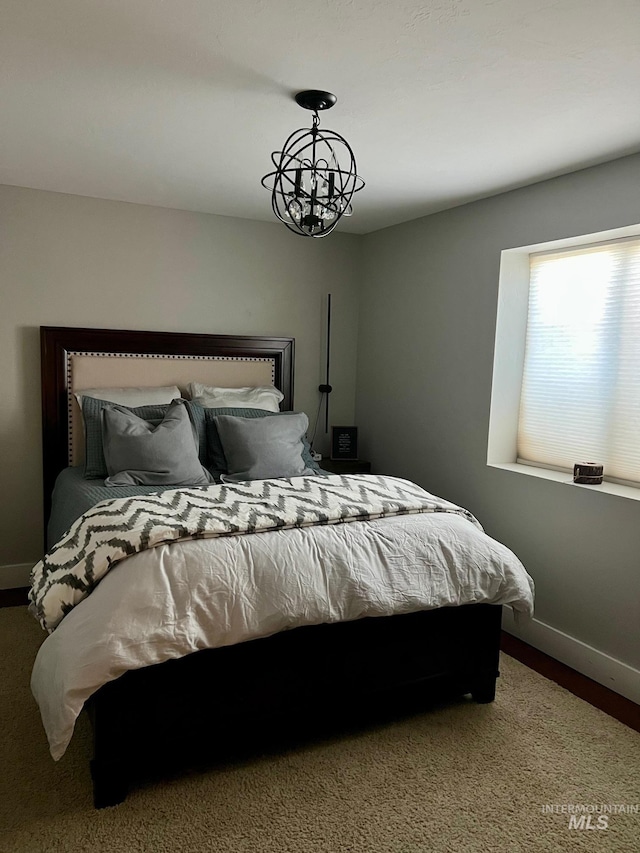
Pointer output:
70, 260
425, 356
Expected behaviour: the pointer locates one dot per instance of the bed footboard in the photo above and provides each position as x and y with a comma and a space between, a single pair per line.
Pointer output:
110, 782
305, 676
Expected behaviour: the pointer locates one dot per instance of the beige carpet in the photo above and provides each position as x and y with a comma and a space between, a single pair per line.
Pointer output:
461, 778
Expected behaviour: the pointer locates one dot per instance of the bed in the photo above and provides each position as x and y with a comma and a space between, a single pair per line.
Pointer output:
223, 691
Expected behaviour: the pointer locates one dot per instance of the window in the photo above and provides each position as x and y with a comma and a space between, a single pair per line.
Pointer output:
580, 398
566, 375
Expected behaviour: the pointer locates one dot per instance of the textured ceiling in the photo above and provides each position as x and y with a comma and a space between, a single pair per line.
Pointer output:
179, 103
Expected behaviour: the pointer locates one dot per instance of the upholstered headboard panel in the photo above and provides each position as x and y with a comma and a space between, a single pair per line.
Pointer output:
123, 370
75, 359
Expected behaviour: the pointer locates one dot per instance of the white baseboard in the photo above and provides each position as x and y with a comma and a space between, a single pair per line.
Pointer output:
12, 577
610, 672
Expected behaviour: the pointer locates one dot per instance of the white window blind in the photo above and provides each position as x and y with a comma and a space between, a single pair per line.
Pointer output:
580, 399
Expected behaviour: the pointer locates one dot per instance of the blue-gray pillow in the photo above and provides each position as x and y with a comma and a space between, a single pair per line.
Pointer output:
261, 448
211, 450
140, 453
94, 465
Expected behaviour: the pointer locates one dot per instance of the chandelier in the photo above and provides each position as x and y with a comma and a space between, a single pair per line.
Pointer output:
315, 174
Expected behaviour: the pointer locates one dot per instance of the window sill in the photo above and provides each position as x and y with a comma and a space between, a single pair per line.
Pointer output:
561, 477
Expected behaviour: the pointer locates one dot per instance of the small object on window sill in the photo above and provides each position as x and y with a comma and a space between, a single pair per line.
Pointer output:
317, 457
588, 473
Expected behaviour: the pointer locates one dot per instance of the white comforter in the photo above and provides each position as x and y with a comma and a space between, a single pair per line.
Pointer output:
179, 598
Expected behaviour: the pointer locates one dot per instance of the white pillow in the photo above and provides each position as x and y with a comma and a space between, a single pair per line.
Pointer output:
265, 397
132, 397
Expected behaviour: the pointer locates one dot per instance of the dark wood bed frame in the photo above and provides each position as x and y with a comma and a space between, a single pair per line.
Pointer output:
219, 702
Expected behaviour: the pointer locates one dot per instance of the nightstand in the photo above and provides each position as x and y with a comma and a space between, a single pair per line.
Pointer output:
345, 466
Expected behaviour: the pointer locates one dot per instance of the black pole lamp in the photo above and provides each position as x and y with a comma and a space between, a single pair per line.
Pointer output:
326, 388
315, 174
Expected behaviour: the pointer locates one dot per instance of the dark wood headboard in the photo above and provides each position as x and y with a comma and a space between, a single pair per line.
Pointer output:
57, 342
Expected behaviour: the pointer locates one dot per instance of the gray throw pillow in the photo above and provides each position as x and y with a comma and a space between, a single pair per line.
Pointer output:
95, 467
211, 450
261, 448
141, 453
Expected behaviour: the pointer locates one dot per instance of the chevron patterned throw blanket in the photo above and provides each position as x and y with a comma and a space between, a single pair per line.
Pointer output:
115, 529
